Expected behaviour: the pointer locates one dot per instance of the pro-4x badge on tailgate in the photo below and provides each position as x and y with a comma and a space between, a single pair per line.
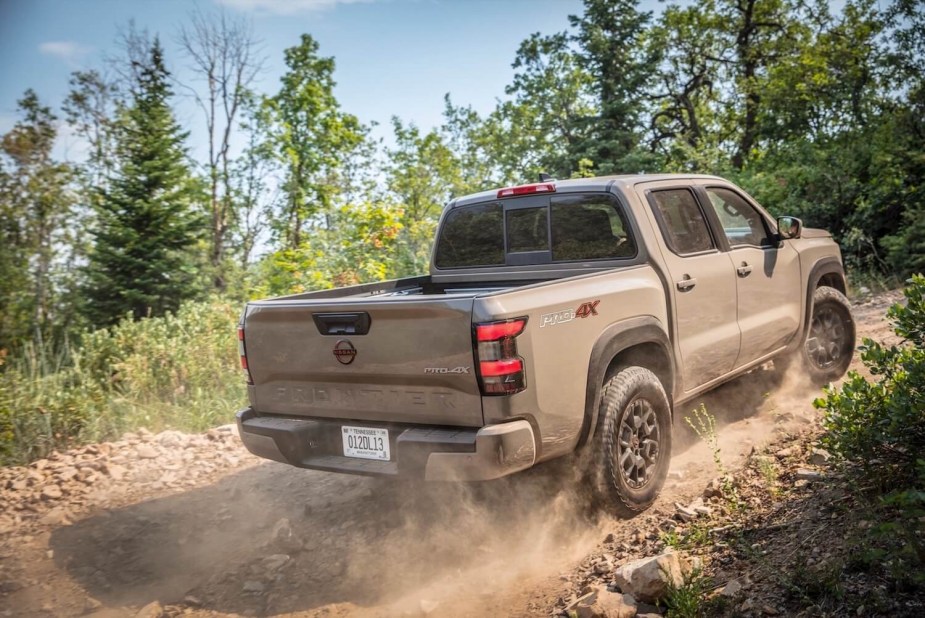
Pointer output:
584, 310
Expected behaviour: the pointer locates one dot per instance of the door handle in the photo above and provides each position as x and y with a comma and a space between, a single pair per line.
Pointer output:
686, 284
744, 270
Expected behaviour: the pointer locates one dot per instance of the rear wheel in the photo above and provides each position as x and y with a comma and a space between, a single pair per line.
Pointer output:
632, 447
829, 346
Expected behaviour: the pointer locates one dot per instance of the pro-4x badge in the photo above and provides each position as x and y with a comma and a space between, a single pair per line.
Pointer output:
585, 310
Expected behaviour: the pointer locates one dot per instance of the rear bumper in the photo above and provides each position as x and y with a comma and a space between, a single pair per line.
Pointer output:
434, 454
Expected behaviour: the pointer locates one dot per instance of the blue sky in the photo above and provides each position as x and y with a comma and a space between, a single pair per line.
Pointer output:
394, 57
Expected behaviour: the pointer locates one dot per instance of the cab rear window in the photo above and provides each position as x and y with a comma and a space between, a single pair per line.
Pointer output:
534, 230
472, 236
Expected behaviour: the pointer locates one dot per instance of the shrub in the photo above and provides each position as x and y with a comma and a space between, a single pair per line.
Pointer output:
877, 430
178, 371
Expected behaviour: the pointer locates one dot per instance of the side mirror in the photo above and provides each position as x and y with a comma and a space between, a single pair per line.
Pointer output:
789, 227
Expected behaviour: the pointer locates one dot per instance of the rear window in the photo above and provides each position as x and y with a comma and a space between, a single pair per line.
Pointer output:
557, 228
472, 236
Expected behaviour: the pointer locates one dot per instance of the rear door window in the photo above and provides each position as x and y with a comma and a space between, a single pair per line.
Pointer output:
683, 224
472, 236
589, 227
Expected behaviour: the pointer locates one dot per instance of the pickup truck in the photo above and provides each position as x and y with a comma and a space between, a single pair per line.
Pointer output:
558, 317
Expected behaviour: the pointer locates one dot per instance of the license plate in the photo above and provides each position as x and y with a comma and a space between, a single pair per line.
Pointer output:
366, 442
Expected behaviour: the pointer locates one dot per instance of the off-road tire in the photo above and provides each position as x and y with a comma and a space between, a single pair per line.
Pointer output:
829, 344
632, 393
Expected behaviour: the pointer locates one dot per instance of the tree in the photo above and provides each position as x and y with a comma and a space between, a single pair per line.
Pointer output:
422, 174
225, 59
611, 36
35, 207
147, 226
311, 138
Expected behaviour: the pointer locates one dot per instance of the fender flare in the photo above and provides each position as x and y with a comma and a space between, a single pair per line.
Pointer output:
826, 266
614, 339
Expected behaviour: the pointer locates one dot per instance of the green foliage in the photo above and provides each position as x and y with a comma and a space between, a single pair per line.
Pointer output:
36, 208
877, 428
176, 371
311, 138
686, 600
704, 425
143, 261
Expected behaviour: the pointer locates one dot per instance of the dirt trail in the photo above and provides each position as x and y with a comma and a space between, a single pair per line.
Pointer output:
243, 536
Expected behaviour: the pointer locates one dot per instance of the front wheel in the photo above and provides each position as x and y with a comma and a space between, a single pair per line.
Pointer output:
632, 447
829, 346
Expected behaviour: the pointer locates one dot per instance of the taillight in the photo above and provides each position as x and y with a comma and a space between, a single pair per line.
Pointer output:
242, 352
540, 187
501, 371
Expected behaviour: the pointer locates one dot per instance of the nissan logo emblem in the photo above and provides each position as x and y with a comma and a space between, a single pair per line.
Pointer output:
344, 352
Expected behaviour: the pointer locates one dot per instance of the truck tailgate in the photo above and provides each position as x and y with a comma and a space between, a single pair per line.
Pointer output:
414, 365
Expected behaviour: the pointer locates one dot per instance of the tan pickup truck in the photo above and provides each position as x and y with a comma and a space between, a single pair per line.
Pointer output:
557, 317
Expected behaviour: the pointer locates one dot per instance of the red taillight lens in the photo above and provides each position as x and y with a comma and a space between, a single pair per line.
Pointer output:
540, 187
242, 352
494, 331
501, 371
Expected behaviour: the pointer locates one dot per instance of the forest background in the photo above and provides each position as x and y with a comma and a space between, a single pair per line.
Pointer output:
122, 276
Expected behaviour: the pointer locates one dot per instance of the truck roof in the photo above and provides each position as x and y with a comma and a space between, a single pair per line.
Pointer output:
597, 183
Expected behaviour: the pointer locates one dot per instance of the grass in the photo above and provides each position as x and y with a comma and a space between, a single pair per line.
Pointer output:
704, 425
177, 371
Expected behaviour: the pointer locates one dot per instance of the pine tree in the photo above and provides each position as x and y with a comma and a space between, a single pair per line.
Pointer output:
142, 262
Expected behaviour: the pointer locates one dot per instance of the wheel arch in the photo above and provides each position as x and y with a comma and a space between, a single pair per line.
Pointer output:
826, 272
640, 341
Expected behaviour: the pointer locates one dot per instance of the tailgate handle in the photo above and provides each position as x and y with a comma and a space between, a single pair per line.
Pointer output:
342, 323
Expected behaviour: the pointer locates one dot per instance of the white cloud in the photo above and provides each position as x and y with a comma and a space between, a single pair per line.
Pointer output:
69, 51
285, 7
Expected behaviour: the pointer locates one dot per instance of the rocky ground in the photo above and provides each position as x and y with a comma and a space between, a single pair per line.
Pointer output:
173, 524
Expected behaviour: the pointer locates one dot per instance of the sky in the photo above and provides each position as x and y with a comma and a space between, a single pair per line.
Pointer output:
393, 57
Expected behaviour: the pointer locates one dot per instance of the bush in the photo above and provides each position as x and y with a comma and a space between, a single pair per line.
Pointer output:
177, 371
877, 430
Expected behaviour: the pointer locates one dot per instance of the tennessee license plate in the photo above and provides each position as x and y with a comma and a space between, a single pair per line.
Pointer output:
366, 442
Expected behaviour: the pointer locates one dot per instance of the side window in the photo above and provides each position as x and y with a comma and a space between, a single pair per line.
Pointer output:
682, 222
527, 230
742, 224
471, 236
589, 227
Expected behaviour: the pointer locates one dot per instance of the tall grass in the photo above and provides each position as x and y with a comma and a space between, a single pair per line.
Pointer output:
179, 371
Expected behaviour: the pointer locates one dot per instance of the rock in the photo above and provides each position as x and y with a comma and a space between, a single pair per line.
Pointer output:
116, 472
790, 451
803, 474
609, 538
11, 586
647, 579
91, 605
254, 587
676, 475
283, 537
731, 589
602, 603
275, 562
192, 601
769, 611
67, 474
146, 451
151, 610
685, 513
714, 489
819, 457
703, 510
55, 517
52, 492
